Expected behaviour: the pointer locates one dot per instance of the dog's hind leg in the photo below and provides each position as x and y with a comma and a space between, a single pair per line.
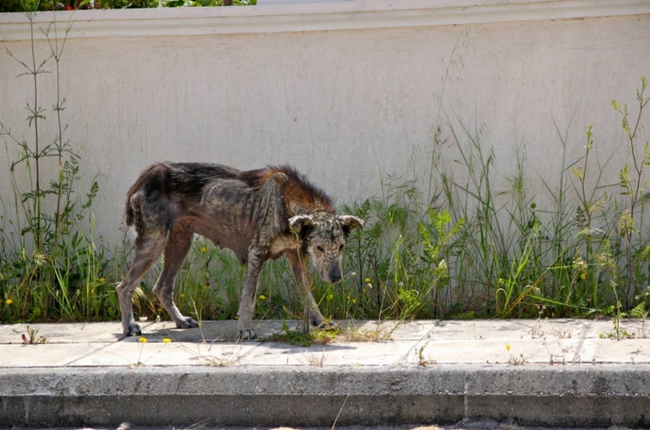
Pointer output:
146, 253
176, 249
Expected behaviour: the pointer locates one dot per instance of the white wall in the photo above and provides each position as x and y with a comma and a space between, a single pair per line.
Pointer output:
343, 91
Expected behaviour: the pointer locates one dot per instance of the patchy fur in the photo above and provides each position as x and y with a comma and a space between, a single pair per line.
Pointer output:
258, 214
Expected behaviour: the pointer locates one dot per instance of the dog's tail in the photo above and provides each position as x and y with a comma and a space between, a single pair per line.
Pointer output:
130, 210
132, 207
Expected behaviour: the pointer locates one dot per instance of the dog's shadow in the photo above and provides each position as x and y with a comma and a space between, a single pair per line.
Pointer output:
269, 333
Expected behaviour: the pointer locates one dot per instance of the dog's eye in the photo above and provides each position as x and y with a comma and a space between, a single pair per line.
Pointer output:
320, 249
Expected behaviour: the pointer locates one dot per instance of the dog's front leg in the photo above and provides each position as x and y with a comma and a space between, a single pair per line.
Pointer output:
301, 273
256, 256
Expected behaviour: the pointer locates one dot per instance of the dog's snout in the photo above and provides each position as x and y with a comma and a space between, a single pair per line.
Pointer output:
335, 276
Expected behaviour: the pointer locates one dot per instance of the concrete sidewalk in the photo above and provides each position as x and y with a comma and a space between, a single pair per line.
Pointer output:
562, 373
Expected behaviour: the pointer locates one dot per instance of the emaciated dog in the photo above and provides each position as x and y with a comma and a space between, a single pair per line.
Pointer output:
258, 214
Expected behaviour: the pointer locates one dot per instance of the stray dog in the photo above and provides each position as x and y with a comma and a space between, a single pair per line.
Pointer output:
258, 214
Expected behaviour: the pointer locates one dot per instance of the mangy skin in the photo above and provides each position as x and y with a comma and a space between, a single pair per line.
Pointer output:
258, 214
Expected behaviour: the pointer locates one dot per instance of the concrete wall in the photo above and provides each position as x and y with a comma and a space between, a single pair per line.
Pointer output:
346, 91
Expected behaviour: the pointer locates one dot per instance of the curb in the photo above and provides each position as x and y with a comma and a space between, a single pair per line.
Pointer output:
549, 396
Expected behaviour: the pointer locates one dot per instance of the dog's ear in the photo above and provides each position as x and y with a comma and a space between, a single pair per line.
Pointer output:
350, 222
299, 222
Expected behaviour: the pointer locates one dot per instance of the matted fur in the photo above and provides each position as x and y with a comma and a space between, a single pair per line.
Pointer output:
258, 214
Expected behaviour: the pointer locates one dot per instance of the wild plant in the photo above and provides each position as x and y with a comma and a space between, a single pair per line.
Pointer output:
633, 186
570, 257
611, 256
398, 264
492, 270
53, 268
584, 275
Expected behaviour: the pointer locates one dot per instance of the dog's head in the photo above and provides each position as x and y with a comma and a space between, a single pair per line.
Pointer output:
323, 236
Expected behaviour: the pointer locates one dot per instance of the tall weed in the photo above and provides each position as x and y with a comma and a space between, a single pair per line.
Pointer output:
52, 266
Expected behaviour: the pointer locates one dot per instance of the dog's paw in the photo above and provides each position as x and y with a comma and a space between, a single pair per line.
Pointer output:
247, 334
132, 329
327, 326
187, 322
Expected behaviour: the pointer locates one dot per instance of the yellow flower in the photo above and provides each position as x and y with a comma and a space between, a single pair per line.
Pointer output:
354, 301
204, 249
142, 339
508, 346
167, 340
367, 280
262, 297
102, 280
9, 301
583, 276
330, 297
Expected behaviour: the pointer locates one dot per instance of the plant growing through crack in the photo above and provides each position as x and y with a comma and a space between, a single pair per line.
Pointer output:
423, 360
141, 343
514, 360
314, 360
32, 337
